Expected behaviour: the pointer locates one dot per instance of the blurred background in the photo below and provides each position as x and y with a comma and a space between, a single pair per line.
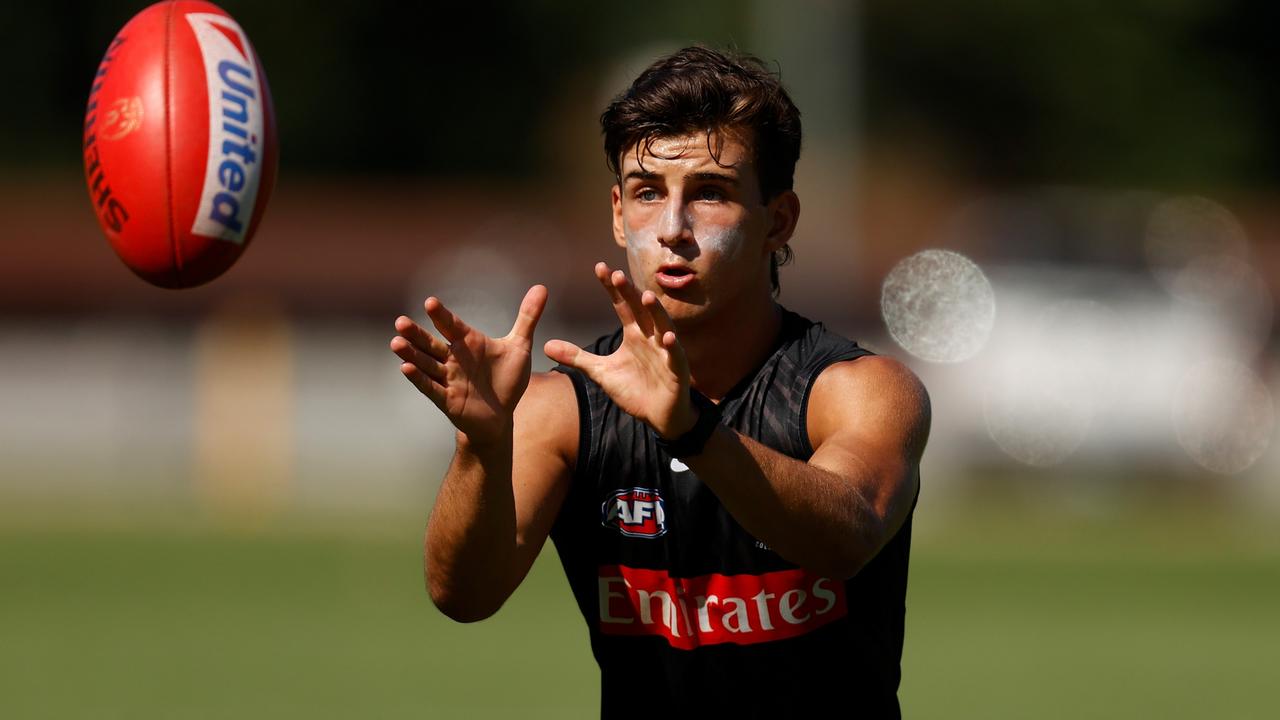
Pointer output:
1064, 217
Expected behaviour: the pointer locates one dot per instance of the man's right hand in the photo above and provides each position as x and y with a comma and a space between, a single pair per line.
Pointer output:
474, 379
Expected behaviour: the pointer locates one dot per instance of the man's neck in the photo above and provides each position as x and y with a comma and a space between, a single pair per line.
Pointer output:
724, 349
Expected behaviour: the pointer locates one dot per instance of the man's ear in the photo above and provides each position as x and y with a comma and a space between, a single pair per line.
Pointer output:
784, 213
619, 236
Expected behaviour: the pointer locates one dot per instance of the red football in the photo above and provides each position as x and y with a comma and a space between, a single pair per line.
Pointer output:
180, 143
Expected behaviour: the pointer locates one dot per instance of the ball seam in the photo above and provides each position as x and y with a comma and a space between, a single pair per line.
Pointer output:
168, 143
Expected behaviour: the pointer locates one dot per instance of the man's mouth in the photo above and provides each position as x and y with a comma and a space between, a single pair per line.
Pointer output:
674, 277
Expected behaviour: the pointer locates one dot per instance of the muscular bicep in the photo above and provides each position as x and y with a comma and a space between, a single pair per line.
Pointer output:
868, 421
544, 450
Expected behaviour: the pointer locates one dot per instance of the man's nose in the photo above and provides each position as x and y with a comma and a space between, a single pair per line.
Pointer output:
674, 226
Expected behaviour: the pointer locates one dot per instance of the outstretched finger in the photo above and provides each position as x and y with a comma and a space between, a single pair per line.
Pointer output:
412, 355
566, 353
421, 339
631, 296
662, 322
676, 359
527, 319
665, 331
433, 390
449, 324
620, 306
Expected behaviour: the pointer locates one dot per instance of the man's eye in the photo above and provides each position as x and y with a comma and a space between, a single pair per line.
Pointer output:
710, 194
647, 195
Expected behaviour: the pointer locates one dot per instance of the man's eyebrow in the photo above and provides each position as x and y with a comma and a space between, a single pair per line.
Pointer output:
719, 177
649, 176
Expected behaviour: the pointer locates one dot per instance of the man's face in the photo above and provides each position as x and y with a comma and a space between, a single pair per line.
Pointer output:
696, 231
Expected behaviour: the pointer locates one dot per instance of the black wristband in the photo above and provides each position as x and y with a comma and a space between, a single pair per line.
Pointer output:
695, 438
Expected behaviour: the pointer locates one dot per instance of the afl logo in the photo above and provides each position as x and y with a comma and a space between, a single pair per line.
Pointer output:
123, 117
635, 512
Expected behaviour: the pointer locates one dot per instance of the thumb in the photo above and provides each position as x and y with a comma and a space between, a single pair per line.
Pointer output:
530, 311
566, 353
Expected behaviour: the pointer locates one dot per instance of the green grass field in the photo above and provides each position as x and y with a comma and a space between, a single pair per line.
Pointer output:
1009, 616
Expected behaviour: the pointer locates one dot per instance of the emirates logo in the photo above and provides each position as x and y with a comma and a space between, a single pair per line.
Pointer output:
714, 609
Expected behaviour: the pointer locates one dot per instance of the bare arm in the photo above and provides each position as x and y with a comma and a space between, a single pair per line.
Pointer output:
517, 437
868, 422
497, 503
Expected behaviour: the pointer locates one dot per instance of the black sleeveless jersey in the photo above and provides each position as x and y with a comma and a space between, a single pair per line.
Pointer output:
688, 613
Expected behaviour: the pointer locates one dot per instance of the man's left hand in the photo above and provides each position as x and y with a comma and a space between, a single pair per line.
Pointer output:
648, 375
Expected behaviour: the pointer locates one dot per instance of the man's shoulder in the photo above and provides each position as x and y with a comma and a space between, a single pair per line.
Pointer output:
548, 413
549, 393
875, 387
868, 373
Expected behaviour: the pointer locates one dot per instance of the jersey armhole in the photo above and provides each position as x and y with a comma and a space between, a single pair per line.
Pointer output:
584, 421
803, 420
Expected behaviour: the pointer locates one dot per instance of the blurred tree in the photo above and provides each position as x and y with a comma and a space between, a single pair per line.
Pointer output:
1144, 91
378, 86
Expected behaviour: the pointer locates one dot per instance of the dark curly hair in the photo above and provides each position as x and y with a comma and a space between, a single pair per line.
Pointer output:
702, 90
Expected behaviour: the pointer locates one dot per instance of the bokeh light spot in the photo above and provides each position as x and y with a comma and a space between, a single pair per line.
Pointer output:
939, 306
1043, 396
1229, 296
1182, 229
1223, 416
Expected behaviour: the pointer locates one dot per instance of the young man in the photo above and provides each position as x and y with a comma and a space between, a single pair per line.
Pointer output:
729, 486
